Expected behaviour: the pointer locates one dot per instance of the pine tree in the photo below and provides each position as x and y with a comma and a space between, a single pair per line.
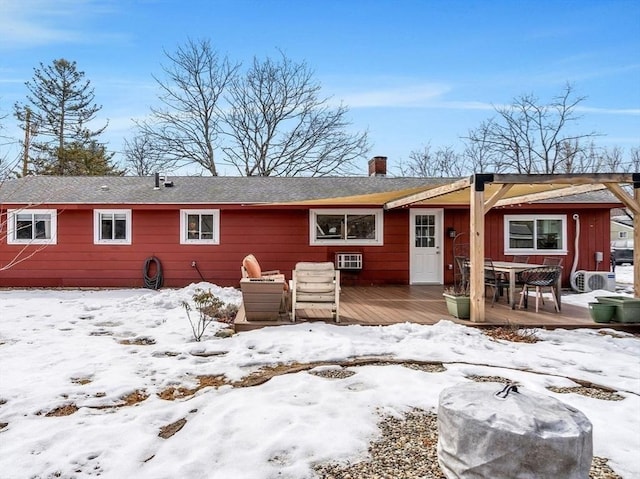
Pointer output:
90, 159
61, 104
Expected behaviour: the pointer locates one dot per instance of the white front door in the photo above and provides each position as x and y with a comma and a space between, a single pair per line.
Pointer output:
425, 236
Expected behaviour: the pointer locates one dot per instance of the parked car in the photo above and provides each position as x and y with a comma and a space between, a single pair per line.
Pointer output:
622, 252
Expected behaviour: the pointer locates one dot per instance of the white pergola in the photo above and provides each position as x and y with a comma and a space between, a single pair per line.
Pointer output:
508, 189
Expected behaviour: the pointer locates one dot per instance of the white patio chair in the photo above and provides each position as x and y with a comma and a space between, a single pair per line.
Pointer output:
316, 286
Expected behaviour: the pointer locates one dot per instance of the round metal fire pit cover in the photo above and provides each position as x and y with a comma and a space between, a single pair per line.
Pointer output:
488, 431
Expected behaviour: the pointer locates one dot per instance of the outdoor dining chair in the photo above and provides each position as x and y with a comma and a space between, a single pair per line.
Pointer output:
552, 261
519, 259
462, 272
494, 280
540, 278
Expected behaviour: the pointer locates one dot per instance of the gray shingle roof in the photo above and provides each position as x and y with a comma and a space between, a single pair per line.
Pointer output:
220, 189
599, 196
197, 189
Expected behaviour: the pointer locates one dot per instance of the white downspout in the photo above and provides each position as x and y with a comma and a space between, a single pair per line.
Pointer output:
576, 253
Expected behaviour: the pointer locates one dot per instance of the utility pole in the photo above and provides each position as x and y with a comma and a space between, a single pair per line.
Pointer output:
27, 142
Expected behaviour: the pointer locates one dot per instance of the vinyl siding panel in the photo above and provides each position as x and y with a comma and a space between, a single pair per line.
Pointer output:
594, 236
278, 237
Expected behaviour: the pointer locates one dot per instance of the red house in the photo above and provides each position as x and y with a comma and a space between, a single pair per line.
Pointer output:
100, 231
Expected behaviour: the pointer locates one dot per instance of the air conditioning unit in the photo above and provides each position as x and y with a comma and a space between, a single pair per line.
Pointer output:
348, 261
586, 281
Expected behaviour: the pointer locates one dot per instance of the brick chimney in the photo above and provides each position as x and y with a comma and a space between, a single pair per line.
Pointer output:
378, 166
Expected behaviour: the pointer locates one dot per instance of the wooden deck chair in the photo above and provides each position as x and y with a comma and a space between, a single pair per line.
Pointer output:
263, 299
316, 286
258, 291
251, 269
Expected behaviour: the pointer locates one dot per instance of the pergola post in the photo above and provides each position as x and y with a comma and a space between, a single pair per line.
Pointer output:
476, 247
636, 238
633, 204
571, 184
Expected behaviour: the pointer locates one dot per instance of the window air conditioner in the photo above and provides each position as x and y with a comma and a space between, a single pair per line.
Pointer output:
587, 281
348, 261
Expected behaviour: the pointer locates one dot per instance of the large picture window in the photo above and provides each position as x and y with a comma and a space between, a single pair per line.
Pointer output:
112, 227
200, 227
354, 227
535, 234
32, 226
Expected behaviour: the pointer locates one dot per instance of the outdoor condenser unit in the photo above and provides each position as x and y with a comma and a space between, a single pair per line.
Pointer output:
587, 281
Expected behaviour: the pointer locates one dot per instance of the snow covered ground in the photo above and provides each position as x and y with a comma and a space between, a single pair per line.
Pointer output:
69, 348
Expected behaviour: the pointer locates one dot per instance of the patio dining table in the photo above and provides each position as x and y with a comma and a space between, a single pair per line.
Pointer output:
512, 269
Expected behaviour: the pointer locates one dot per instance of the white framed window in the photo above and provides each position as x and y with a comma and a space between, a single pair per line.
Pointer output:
535, 234
346, 227
199, 226
623, 234
112, 227
26, 226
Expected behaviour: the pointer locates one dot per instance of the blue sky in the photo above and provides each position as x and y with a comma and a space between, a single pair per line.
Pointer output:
412, 72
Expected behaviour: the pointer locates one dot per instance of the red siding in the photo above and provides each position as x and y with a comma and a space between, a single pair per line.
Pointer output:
594, 236
278, 237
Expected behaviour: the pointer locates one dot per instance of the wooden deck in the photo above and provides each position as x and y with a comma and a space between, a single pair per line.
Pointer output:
385, 305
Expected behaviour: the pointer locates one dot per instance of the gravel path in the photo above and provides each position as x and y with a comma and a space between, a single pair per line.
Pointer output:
407, 448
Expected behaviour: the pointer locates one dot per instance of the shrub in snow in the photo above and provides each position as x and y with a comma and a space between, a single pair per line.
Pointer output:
210, 308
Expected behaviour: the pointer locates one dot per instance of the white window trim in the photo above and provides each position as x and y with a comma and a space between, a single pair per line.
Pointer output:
216, 227
97, 227
379, 219
535, 251
11, 214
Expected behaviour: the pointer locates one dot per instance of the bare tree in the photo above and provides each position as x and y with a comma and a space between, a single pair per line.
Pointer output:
8, 169
477, 152
634, 160
598, 159
579, 158
143, 158
8, 163
9, 228
184, 130
278, 125
613, 159
24, 253
444, 162
3, 155
529, 137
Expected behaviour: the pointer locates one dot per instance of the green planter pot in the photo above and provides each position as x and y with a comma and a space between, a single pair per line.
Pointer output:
627, 308
458, 306
602, 312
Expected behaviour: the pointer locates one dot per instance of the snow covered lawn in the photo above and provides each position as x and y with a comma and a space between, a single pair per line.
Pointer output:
90, 379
